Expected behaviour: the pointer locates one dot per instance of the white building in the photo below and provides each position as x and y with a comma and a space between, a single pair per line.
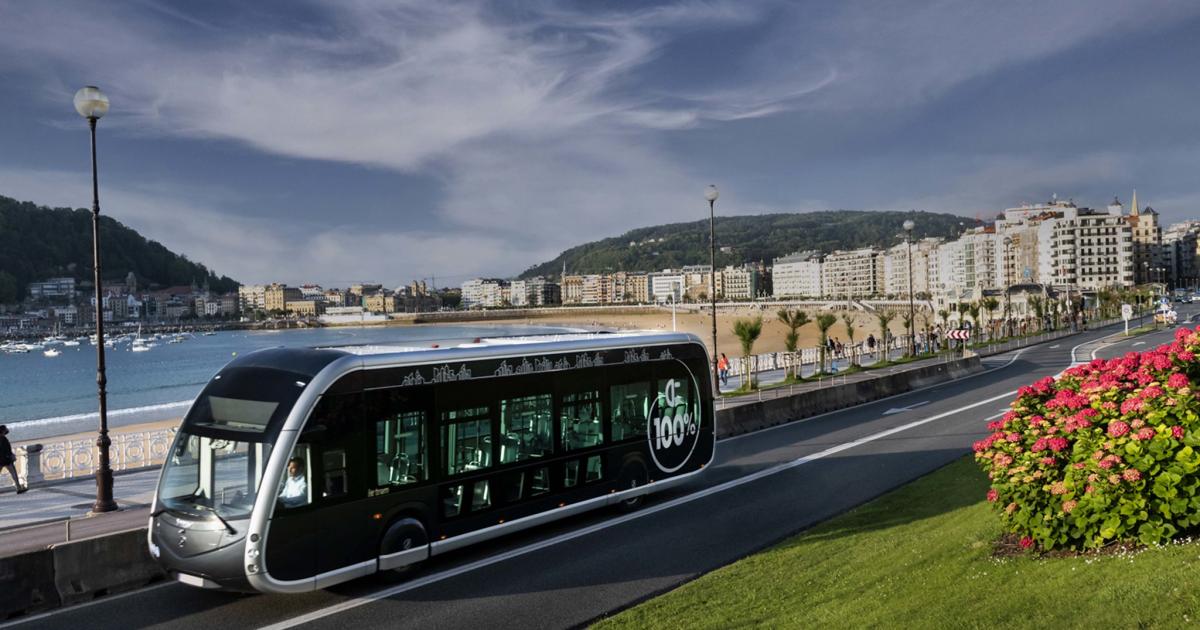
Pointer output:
666, 284
484, 293
797, 275
852, 274
896, 271
737, 283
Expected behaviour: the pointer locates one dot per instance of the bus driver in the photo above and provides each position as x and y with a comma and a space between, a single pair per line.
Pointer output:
295, 488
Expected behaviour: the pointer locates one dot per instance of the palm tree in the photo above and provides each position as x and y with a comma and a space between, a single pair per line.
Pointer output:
1039, 309
907, 320
973, 311
747, 331
824, 323
989, 306
848, 320
794, 320
945, 317
885, 318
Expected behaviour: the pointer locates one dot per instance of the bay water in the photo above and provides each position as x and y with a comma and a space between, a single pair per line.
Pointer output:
44, 396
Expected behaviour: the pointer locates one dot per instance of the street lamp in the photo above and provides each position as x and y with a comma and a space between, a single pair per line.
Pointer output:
912, 311
92, 104
1007, 286
711, 195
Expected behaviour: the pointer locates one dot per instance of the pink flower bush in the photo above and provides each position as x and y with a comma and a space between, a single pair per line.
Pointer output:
1106, 452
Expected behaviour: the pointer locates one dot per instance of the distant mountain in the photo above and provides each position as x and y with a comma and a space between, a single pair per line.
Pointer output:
38, 243
749, 237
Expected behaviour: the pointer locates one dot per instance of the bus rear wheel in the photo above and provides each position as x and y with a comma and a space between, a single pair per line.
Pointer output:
406, 536
633, 475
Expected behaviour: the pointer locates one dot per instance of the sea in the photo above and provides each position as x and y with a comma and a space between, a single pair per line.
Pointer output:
42, 397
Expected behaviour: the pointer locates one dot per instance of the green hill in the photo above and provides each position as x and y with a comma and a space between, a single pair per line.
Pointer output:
38, 243
750, 237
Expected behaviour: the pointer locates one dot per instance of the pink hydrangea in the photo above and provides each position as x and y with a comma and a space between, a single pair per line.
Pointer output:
1067, 506
1058, 487
1057, 444
1131, 474
992, 495
1178, 380
1146, 433
1118, 428
1026, 542
1177, 432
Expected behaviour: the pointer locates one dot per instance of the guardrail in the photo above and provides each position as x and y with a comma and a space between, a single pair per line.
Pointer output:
68, 459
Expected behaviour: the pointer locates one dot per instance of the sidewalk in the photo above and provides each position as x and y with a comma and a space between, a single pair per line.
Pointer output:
43, 509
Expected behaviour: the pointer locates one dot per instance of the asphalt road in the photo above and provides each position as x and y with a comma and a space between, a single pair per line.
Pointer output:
762, 488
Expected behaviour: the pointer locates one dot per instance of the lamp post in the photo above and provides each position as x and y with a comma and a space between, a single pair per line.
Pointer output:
912, 310
91, 103
1007, 286
711, 195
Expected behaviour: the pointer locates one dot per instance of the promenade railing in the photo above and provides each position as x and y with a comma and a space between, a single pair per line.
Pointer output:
56, 460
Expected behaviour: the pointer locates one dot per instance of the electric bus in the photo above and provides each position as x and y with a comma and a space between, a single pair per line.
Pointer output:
299, 468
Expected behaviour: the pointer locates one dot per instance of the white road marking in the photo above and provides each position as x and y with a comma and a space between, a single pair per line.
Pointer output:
653, 509
1137, 343
1055, 346
903, 409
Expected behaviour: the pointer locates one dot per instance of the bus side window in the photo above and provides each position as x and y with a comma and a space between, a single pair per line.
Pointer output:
630, 403
336, 480
525, 428
581, 420
466, 440
400, 449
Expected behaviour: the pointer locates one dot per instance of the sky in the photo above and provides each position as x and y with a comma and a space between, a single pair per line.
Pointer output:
346, 141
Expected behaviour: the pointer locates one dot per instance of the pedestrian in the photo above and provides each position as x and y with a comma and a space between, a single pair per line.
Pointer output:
7, 460
871, 342
723, 369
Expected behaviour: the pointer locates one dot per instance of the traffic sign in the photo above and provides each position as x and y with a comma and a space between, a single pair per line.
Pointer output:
1126, 311
961, 333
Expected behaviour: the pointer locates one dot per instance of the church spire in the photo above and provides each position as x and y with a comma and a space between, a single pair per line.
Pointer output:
1134, 211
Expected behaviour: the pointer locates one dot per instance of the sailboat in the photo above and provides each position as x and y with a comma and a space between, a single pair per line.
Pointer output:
52, 352
139, 344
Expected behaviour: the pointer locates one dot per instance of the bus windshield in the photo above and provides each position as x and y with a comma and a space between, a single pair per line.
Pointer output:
213, 474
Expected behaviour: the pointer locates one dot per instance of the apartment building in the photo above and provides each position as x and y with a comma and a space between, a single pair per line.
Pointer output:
852, 274
797, 275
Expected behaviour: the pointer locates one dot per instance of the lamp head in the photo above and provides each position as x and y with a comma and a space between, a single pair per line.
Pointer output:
90, 102
909, 225
711, 193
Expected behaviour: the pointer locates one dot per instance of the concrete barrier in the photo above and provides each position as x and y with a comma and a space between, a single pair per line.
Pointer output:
27, 584
94, 567
769, 413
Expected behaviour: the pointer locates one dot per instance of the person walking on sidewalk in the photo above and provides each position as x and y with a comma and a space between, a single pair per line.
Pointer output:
8, 460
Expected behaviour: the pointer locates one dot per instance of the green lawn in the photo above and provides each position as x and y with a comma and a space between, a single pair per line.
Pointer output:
921, 557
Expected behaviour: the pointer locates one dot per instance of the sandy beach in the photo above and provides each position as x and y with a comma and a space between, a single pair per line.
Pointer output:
700, 324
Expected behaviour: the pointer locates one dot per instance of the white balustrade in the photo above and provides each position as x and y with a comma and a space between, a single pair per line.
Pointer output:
68, 459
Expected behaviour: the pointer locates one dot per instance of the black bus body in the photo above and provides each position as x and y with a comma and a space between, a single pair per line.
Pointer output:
297, 469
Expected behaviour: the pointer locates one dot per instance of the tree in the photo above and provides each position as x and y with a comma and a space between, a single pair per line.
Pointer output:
1039, 309
747, 331
945, 317
973, 311
824, 323
989, 306
907, 320
885, 319
794, 320
848, 320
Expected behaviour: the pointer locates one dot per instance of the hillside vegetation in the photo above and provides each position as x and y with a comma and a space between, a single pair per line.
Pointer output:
751, 237
38, 243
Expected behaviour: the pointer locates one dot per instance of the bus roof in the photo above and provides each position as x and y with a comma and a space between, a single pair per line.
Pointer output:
529, 343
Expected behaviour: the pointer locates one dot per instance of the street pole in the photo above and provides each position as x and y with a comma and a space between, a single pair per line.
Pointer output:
711, 195
91, 103
912, 311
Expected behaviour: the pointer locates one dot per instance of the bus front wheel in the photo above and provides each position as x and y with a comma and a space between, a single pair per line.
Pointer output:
405, 545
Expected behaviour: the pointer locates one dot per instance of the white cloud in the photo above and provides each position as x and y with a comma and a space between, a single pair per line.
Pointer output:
533, 122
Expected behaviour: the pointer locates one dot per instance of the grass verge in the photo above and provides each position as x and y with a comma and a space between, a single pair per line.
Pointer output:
921, 557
